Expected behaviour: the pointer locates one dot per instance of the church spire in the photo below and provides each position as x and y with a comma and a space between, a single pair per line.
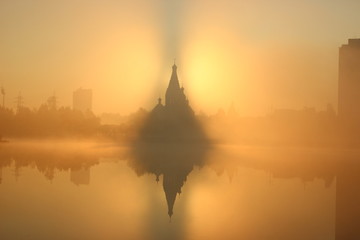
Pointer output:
173, 95
174, 81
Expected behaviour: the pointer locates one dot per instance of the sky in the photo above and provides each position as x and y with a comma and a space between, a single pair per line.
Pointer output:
257, 54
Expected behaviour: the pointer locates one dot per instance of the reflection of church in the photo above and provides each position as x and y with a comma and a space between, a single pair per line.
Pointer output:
80, 175
173, 161
171, 142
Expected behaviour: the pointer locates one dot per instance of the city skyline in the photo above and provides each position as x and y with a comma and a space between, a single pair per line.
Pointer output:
226, 53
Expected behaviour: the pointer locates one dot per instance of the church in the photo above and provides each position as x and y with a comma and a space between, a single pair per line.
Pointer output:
171, 141
176, 104
173, 120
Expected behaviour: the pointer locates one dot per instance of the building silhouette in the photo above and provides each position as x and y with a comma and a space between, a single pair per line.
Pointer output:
349, 81
175, 120
171, 142
82, 100
52, 103
176, 106
175, 99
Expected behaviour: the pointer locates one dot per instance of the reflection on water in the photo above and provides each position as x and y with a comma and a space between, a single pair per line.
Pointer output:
173, 161
80, 176
93, 191
47, 158
347, 200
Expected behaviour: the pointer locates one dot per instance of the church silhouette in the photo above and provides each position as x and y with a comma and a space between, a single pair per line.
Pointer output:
173, 121
176, 103
171, 142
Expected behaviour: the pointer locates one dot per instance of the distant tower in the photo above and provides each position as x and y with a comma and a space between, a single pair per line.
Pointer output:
19, 102
232, 114
52, 102
349, 81
3, 94
82, 100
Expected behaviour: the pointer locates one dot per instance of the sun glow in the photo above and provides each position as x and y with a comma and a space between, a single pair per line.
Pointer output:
213, 72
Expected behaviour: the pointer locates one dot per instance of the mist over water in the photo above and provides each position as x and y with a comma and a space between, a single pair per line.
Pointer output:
295, 193
179, 120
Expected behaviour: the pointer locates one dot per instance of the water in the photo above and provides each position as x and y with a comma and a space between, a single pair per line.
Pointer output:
71, 190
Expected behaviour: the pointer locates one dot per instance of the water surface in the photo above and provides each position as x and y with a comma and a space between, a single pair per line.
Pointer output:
68, 190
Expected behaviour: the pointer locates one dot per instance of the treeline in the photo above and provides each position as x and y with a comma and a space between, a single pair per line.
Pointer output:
285, 127
47, 122
127, 131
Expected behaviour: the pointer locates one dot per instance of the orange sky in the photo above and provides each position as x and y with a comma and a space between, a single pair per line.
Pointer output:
258, 54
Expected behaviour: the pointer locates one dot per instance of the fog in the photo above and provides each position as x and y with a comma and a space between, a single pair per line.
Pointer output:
256, 54
165, 119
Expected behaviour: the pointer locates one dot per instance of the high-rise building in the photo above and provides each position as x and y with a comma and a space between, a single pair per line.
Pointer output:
82, 100
349, 81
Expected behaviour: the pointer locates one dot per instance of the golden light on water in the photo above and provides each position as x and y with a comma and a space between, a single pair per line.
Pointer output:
258, 203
